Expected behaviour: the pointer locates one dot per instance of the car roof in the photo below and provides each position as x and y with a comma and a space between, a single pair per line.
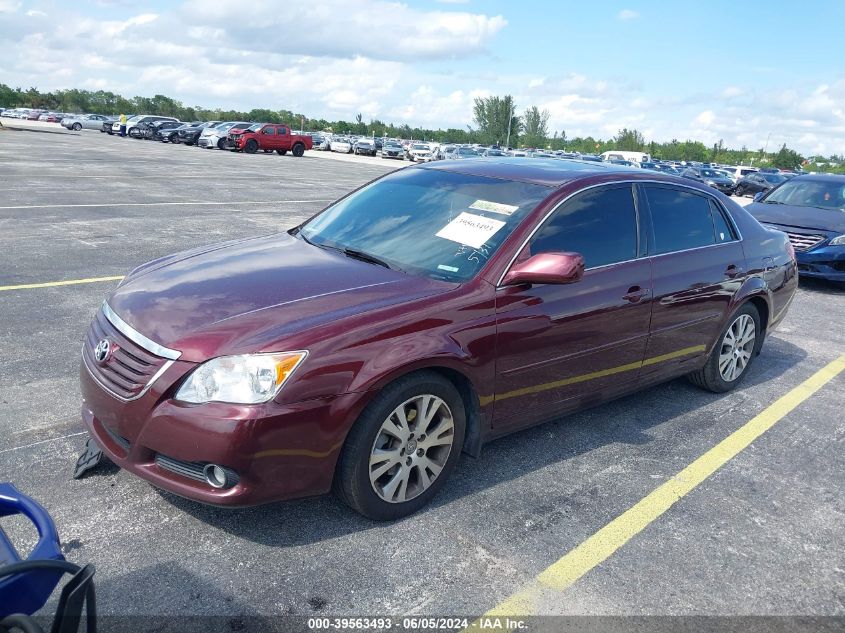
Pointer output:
838, 178
549, 172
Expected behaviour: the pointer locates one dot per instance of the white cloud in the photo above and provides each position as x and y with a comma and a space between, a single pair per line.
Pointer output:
627, 14
705, 118
305, 60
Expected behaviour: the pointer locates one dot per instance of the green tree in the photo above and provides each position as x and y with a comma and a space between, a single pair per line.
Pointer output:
787, 158
535, 127
629, 140
493, 116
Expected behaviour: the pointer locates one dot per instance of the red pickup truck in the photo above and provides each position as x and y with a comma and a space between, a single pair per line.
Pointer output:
269, 137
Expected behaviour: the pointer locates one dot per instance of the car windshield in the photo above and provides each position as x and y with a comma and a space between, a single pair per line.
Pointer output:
809, 193
418, 146
427, 221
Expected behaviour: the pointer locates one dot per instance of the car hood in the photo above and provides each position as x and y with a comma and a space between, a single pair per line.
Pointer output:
831, 220
248, 296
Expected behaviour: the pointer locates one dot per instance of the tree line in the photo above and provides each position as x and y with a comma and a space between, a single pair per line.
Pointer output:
495, 118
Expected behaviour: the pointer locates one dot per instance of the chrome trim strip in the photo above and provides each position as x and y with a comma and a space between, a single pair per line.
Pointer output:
610, 184
108, 390
136, 337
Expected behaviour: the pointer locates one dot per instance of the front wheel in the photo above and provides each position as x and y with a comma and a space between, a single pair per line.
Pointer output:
298, 150
403, 447
730, 359
221, 143
739, 191
251, 146
77, 127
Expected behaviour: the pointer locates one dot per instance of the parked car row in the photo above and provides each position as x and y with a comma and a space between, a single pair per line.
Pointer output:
251, 137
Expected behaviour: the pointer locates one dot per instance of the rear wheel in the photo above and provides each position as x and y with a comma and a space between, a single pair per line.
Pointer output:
739, 191
77, 127
298, 150
730, 359
403, 447
251, 146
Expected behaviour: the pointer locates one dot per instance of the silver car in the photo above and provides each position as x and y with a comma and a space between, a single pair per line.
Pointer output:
86, 122
215, 136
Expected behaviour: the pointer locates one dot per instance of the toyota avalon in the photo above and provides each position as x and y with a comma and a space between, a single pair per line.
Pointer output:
417, 318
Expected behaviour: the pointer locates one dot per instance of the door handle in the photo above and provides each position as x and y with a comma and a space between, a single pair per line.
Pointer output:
636, 294
733, 271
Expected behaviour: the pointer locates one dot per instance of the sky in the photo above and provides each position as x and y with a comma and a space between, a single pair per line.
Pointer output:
749, 73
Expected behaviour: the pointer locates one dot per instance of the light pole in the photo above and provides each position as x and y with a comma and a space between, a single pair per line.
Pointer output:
510, 120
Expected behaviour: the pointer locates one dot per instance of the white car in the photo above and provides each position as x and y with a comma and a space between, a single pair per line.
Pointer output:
214, 136
341, 145
420, 153
321, 141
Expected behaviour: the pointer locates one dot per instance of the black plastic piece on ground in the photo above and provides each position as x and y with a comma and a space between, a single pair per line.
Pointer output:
90, 458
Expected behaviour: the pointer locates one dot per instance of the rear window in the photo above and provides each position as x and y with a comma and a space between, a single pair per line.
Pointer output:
681, 220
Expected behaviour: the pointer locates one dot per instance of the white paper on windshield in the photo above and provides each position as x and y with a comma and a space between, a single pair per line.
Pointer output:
472, 230
495, 207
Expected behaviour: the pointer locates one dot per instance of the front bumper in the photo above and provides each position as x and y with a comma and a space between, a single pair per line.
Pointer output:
825, 262
278, 451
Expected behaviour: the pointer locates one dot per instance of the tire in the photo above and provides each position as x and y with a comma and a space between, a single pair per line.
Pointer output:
251, 146
413, 475
739, 191
221, 143
77, 127
281, 152
298, 150
717, 380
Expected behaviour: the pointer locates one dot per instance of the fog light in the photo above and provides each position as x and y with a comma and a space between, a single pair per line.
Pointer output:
217, 476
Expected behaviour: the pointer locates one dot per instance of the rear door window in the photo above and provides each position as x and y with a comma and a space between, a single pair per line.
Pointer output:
680, 219
601, 224
724, 232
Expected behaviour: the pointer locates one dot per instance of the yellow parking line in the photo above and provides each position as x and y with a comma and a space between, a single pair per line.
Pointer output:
68, 282
604, 543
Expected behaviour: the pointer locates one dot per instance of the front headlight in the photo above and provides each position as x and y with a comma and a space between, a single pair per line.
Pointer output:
245, 379
839, 240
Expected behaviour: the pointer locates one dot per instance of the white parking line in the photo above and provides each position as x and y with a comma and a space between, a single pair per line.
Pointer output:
159, 204
54, 439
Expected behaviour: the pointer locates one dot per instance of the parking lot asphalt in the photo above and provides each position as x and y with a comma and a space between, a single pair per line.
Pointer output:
762, 536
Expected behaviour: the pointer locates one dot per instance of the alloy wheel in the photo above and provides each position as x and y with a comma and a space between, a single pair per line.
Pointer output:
737, 347
411, 448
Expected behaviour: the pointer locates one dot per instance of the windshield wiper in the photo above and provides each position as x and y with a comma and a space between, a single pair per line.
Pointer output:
365, 257
772, 202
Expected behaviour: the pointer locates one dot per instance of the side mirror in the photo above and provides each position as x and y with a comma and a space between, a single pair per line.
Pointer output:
758, 195
547, 268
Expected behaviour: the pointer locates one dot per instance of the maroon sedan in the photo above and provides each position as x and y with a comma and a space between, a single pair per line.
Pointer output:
417, 318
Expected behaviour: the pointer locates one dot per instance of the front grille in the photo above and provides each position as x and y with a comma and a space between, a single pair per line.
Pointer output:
129, 368
803, 242
191, 470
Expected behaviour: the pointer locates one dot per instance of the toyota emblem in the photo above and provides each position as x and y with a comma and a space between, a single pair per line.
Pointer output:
101, 352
